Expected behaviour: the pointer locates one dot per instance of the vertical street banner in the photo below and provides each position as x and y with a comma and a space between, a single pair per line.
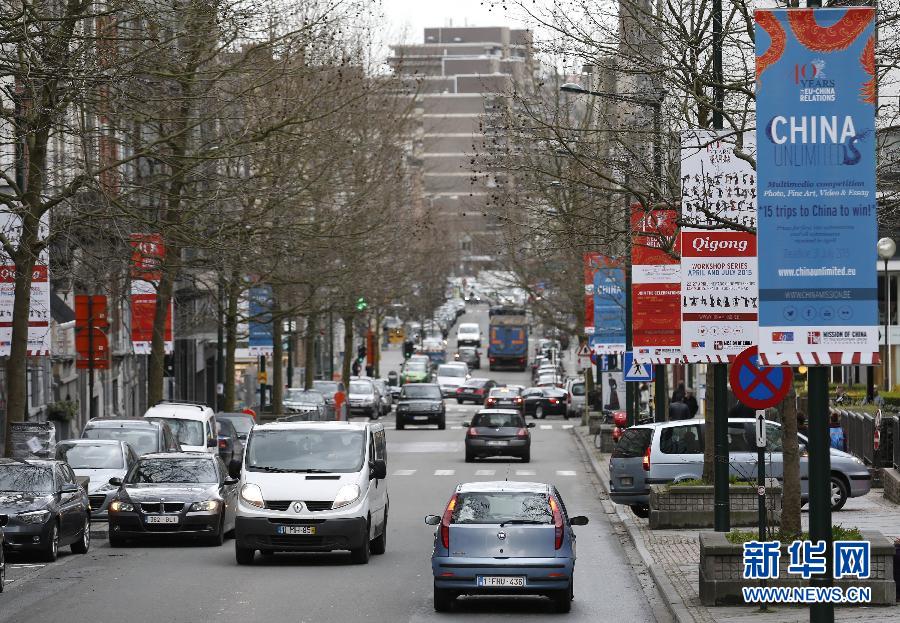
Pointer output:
261, 341
655, 286
606, 305
147, 251
590, 263
719, 289
815, 98
39, 308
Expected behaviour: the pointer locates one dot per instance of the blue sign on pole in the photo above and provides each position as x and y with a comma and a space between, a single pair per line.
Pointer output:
815, 110
609, 310
640, 372
260, 341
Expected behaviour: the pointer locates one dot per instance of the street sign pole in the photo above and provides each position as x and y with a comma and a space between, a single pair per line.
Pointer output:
629, 387
722, 507
820, 484
659, 400
761, 470
92, 404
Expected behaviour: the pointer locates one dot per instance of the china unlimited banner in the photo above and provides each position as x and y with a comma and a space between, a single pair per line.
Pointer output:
816, 97
146, 255
604, 312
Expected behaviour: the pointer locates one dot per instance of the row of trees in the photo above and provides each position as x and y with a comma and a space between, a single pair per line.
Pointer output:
258, 142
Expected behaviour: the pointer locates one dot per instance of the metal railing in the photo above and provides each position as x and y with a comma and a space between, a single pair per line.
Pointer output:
859, 437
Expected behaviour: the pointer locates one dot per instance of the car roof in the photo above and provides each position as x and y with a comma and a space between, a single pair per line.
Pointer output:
421, 385
178, 455
330, 425
121, 422
179, 411
503, 411
503, 486
93, 442
230, 414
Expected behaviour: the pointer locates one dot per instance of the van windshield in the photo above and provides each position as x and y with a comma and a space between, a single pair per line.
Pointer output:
306, 450
187, 432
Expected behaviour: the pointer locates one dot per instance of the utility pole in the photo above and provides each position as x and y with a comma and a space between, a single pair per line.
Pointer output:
92, 405
220, 349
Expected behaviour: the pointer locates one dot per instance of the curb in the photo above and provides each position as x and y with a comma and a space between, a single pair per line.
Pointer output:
671, 597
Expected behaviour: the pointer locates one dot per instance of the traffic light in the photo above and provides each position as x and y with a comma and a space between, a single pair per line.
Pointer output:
361, 352
361, 304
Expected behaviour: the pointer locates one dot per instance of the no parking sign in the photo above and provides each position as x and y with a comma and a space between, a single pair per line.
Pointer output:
756, 387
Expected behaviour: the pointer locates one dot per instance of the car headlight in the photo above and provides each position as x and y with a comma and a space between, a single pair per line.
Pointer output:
402, 407
435, 407
346, 495
252, 495
118, 506
206, 505
33, 517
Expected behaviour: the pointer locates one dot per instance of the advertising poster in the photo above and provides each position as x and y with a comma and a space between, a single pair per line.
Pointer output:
719, 289
590, 262
260, 322
39, 308
147, 251
655, 286
816, 98
607, 304
613, 390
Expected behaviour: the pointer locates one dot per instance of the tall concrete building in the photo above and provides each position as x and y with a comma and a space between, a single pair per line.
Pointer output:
462, 76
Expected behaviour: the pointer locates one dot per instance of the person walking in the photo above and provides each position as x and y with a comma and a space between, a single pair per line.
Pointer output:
691, 401
679, 410
679, 394
836, 432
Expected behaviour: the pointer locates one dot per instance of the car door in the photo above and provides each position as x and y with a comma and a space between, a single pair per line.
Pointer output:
376, 488
680, 454
70, 507
229, 496
742, 450
530, 400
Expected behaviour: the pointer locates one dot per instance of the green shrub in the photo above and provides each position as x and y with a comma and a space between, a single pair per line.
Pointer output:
838, 533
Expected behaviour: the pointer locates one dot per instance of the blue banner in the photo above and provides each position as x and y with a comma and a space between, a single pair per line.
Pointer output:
815, 105
609, 311
260, 321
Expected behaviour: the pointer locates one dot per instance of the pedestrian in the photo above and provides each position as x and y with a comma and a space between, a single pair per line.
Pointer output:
836, 432
679, 393
354, 367
679, 410
878, 400
339, 399
370, 370
644, 393
691, 401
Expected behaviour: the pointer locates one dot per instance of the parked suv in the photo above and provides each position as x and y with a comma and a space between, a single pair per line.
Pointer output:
673, 451
575, 397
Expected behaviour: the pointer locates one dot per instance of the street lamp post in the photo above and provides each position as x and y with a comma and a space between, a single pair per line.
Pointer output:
886, 249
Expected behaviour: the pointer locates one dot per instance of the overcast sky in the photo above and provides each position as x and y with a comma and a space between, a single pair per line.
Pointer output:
412, 16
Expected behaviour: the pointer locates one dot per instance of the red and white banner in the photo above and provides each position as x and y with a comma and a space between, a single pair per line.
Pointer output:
590, 262
655, 286
720, 291
148, 251
39, 336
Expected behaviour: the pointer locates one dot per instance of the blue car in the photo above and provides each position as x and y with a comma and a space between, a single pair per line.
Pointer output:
504, 538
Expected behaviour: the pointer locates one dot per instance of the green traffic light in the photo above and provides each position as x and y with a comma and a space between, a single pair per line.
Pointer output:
361, 304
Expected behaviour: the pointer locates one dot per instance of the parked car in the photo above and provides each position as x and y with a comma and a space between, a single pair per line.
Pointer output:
144, 436
98, 460
498, 432
3, 520
450, 376
673, 451
470, 356
537, 535
384, 392
242, 423
329, 389
176, 493
468, 334
231, 448
364, 398
313, 486
307, 403
540, 402
475, 390
576, 394
45, 507
421, 403
194, 424
504, 398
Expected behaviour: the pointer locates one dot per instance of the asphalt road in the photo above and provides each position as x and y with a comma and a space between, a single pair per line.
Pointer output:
167, 581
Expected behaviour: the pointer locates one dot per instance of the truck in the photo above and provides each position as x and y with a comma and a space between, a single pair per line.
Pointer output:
508, 338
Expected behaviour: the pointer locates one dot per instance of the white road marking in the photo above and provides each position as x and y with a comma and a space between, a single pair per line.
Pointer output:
456, 427
568, 426
444, 472
525, 472
564, 472
404, 472
546, 426
485, 472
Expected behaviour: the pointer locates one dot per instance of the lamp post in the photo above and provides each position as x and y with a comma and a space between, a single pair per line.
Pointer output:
886, 249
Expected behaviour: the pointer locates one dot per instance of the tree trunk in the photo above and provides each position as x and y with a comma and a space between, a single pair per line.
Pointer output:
17, 363
309, 348
348, 350
231, 322
156, 365
790, 512
709, 432
277, 357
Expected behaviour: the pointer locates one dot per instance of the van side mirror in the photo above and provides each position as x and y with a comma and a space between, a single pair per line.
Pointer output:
432, 520
234, 468
578, 520
212, 443
115, 481
379, 469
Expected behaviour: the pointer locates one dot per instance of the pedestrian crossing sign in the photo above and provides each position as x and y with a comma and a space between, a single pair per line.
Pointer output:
635, 371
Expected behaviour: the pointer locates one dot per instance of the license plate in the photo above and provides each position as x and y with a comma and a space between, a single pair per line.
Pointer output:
627, 481
497, 443
420, 418
296, 529
501, 580
162, 519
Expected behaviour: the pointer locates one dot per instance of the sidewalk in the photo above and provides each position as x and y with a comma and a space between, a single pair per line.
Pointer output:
673, 558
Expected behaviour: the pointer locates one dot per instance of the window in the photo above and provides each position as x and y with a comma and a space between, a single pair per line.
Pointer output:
173, 471
498, 420
633, 443
739, 439
306, 450
774, 438
497, 507
90, 456
680, 440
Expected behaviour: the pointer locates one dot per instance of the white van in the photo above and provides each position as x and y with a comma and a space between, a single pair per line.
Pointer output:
468, 334
194, 424
313, 487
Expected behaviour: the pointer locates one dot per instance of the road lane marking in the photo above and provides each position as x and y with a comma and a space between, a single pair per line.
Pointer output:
546, 426
485, 472
568, 426
404, 472
456, 427
525, 472
427, 447
444, 472
564, 472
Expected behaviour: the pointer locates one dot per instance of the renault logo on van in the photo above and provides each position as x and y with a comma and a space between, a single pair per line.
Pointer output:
298, 507
501, 535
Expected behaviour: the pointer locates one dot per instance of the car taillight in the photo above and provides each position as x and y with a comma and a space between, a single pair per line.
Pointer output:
492, 359
479, 391
554, 401
519, 399
459, 390
557, 523
489, 402
472, 432
522, 432
223, 444
646, 461
445, 522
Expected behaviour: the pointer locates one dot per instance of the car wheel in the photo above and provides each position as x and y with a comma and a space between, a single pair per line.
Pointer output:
84, 543
526, 458
243, 555
400, 425
839, 493
360, 555
51, 550
442, 425
2, 570
539, 412
562, 600
641, 510
379, 543
470, 457
459, 401
443, 599
218, 538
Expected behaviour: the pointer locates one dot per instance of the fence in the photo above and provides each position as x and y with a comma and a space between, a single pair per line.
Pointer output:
859, 437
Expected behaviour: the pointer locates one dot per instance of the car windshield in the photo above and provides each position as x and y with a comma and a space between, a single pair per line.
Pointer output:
241, 424
26, 477
326, 387
476, 383
500, 507
416, 366
504, 392
143, 439
158, 471
421, 391
301, 395
90, 455
306, 450
361, 388
498, 420
466, 329
187, 432
457, 371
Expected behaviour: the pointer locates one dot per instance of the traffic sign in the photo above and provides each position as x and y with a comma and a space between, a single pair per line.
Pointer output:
756, 387
584, 351
635, 371
761, 428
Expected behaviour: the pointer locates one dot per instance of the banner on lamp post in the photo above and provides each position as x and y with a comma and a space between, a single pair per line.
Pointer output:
815, 111
719, 289
147, 252
39, 337
605, 306
261, 341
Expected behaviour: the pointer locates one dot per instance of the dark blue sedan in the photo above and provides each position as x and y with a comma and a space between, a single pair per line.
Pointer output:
504, 538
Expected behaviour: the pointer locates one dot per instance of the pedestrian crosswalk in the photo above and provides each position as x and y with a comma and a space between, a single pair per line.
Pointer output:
485, 472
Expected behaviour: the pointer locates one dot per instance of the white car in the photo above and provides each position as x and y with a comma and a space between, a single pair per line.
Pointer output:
313, 486
194, 424
450, 376
468, 334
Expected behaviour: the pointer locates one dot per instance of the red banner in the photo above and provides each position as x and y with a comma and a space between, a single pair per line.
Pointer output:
147, 255
91, 343
147, 252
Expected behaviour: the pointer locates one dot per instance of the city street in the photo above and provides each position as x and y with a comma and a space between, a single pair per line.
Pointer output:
188, 582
